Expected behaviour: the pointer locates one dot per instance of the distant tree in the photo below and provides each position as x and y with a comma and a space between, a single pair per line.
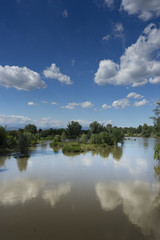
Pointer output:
2, 135
95, 127
73, 129
146, 130
109, 128
30, 128
139, 129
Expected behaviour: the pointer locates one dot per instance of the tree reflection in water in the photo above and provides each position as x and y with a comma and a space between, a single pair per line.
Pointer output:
22, 163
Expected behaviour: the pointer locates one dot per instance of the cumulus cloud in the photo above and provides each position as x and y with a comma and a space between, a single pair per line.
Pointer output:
144, 9
106, 38
20, 78
134, 95
53, 72
87, 104
140, 103
31, 103
118, 27
21, 121
122, 103
65, 13
137, 65
109, 3
105, 106
73, 105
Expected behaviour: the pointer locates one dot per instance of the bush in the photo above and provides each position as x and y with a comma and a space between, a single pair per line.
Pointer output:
157, 151
71, 148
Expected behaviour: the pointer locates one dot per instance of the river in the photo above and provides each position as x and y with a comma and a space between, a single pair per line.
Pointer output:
111, 194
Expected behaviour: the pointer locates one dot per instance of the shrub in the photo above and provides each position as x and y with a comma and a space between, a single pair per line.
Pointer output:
71, 148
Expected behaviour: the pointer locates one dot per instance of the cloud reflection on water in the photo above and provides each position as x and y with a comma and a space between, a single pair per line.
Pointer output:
21, 190
137, 200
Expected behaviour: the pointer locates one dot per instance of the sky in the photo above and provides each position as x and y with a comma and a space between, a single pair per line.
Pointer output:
80, 60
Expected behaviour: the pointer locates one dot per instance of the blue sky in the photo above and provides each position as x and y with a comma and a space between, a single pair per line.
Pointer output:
92, 60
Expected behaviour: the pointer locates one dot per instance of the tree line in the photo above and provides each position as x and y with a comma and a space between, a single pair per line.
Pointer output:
97, 133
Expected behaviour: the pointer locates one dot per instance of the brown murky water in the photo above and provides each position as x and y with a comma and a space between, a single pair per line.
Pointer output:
110, 194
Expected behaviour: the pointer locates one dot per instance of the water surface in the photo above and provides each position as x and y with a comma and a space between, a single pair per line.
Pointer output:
113, 193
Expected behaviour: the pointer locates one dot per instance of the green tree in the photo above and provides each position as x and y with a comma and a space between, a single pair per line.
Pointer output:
84, 138
156, 119
63, 137
2, 135
23, 143
57, 138
95, 127
30, 128
73, 129
146, 130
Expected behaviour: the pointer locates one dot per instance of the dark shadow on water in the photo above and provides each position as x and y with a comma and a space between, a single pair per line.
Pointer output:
3, 170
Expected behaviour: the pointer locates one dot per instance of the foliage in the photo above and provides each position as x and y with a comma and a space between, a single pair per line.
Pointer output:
156, 119
63, 137
31, 128
73, 129
157, 151
23, 143
109, 138
57, 138
2, 135
84, 138
95, 127
74, 147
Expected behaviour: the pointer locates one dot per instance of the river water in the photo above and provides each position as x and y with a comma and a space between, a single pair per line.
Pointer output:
112, 194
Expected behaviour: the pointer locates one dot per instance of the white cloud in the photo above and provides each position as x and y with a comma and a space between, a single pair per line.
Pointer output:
118, 27
105, 106
109, 3
122, 103
86, 105
21, 121
140, 103
20, 78
146, 9
53, 72
134, 95
54, 103
31, 103
65, 13
137, 66
73, 105
106, 38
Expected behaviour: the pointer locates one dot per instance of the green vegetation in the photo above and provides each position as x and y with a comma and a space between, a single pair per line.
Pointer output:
157, 151
97, 134
72, 147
